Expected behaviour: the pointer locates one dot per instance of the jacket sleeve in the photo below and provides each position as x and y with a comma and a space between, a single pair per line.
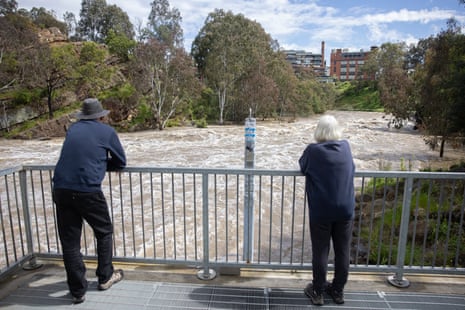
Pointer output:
303, 161
117, 157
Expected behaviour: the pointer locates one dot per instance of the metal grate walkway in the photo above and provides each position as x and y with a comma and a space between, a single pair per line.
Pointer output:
45, 291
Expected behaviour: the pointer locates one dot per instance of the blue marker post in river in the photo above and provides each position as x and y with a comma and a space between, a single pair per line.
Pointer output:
249, 163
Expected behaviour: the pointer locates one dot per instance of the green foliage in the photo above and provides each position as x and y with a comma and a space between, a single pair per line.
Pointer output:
46, 19
144, 114
172, 122
234, 55
26, 96
122, 92
206, 106
435, 218
91, 52
164, 24
120, 45
97, 19
201, 123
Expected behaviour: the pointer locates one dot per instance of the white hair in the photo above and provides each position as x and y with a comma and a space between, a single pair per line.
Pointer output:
327, 129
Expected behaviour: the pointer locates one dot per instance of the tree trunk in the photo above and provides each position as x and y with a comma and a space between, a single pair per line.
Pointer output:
49, 102
441, 150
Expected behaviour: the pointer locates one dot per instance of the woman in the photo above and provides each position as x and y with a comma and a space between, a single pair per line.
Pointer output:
329, 170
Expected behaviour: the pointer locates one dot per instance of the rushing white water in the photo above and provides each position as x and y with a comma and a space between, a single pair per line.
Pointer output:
278, 145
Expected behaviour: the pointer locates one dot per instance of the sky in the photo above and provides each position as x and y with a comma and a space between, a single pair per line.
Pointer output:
302, 25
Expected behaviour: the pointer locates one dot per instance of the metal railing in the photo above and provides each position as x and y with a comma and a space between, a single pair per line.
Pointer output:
244, 218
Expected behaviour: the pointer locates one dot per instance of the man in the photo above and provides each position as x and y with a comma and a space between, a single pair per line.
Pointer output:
90, 149
329, 170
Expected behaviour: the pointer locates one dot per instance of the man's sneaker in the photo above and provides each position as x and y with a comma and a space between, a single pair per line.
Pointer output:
337, 296
115, 278
316, 298
78, 300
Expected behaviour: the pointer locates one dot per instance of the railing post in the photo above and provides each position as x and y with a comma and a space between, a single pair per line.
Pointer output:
398, 279
32, 263
206, 273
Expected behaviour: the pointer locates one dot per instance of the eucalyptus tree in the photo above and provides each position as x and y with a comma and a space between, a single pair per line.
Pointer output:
52, 69
230, 51
71, 24
44, 18
388, 64
8, 6
164, 24
93, 75
440, 79
161, 70
18, 42
97, 19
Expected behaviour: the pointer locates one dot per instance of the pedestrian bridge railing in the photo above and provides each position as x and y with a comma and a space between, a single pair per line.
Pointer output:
243, 218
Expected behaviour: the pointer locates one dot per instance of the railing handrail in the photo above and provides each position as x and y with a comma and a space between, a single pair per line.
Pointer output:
257, 171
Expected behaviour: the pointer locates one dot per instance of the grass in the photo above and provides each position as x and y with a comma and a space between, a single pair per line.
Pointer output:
358, 97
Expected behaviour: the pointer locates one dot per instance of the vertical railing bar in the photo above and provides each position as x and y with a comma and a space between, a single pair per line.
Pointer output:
184, 213
131, 202
237, 219
438, 222
394, 217
18, 212
271, 220
10, 216
34, 203
226, 207
425, 231
123, 230
293, 218
398, 279
44, 207
281, 221
173, 205
304, 226
371, 219
142, 213
26, 215
162, 188
206, 273
215, 211
110, 192
459, 237
415, 221
5, 245
259, 246
381, 229
449, 224
32, 264
152, 200
55, 224
196, 256
359, 228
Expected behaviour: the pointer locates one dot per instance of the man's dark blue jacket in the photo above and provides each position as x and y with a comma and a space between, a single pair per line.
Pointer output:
90, 149
329, 170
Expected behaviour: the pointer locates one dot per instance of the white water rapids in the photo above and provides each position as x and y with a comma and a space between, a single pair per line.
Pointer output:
278, 145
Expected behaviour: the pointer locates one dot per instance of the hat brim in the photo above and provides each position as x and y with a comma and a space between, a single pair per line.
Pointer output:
80, 115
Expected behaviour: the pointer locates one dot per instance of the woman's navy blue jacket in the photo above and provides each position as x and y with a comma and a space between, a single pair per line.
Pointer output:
329, 172
90, 149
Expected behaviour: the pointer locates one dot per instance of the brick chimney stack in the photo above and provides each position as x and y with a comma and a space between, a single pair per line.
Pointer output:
322, 54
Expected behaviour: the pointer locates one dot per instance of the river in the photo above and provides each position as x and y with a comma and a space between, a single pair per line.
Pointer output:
278, 145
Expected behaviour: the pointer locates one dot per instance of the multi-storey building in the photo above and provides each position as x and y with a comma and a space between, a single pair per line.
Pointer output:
346, 65
301, 58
